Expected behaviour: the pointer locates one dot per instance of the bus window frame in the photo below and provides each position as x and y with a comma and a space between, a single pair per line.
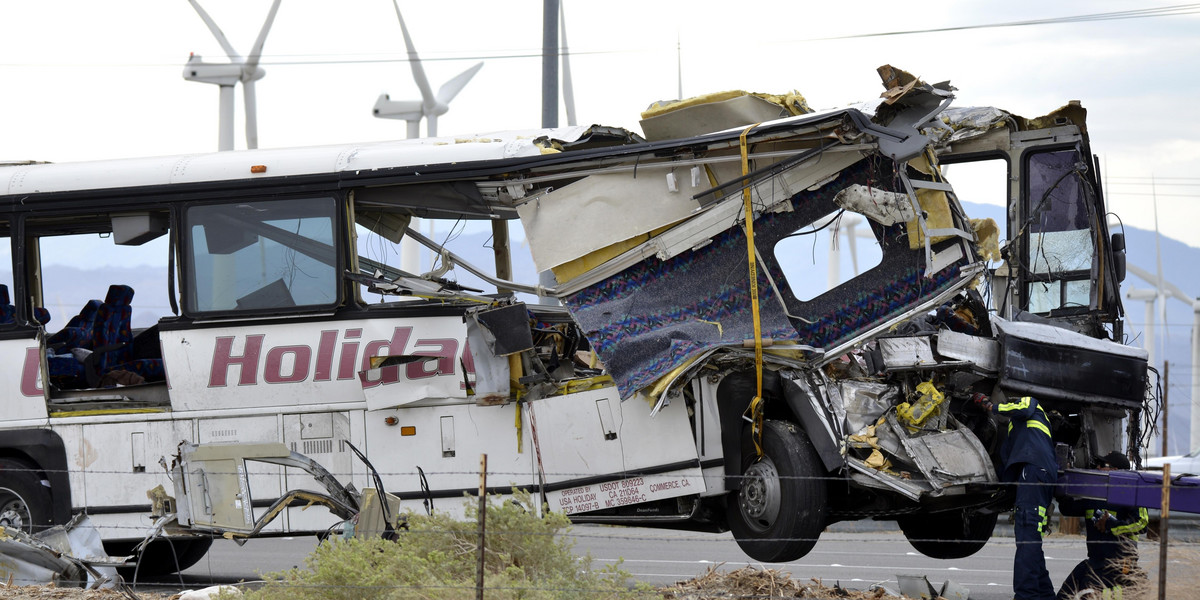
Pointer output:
186, 266
1027, 276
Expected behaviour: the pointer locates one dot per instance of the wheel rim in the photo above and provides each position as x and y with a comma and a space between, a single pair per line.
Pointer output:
13, 511
759, 498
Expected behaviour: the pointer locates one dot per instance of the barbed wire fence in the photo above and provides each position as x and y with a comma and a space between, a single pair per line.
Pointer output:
1184, 539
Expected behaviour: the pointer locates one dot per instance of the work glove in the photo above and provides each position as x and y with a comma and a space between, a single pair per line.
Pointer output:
982, 401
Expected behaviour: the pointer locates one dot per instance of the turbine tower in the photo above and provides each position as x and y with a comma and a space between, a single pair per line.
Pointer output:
227, 75
430, 106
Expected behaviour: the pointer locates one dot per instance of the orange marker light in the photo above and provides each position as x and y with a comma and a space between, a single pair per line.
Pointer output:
391, 421
258, 169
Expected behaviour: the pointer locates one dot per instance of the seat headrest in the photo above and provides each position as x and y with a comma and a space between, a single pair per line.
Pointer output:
119, 295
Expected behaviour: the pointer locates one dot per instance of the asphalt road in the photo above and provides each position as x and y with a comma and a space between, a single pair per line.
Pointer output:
662, 557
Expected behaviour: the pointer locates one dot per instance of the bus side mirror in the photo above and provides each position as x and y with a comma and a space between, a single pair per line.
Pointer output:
1118, 253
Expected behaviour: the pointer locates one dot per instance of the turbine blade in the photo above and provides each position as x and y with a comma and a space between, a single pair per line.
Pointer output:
414, 61
1161, 296
568, 88
216, 31
251, 114
451, 88
256, 51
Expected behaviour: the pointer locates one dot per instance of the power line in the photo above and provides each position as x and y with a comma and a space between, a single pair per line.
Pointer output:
1164, 11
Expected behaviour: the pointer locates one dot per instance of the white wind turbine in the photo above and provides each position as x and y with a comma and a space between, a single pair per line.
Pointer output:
430, 106
227, 75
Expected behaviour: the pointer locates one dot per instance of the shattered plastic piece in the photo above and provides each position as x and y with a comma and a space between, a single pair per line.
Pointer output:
885, 208
916, 586
954, 591
886, 589
930, 402
210, 593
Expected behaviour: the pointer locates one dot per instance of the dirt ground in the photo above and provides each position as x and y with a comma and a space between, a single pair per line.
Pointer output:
749, 582
744, 582
41, 592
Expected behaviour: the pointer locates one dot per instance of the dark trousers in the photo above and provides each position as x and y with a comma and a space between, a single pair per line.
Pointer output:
1102, 574
1031, 580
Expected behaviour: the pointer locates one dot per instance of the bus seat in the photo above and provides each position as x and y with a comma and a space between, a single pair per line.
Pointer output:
112, 337
41, 315
8, 312
112, 340
63, 369
78, 332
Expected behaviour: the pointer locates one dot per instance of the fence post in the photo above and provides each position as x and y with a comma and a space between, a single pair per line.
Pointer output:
1163, 528
482, 524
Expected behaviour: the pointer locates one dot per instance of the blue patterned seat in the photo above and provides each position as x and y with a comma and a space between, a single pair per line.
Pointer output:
78, 332
112, 340
8, 312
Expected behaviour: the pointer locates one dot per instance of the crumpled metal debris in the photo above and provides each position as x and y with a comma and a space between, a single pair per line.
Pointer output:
70, 555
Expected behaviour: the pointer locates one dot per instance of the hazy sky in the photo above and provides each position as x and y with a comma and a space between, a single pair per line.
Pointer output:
91, 80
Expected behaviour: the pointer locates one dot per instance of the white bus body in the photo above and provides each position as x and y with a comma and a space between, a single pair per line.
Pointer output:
287, 326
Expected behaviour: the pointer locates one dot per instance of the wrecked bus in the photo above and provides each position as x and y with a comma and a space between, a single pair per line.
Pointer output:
692, 363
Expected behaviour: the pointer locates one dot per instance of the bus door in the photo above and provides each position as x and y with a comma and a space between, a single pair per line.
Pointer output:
22, 364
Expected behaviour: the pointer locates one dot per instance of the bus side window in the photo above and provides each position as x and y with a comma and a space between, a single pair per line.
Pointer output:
261, 256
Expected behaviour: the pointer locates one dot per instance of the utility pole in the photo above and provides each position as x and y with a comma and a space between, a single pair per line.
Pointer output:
1166, 405
550, 63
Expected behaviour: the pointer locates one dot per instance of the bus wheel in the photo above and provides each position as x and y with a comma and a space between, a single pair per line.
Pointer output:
951, 534
24, 501
157, 559
778, 509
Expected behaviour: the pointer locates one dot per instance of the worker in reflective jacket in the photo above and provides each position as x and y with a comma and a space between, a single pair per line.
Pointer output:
1028, 456
1112, 553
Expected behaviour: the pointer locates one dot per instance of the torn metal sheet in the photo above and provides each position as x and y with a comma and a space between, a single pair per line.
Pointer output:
642, 198
865, 402
715, 112
906, 352
946, 458
70, 555
984, 352
379, 394
885, 208
492, 374
213, 488
29, 561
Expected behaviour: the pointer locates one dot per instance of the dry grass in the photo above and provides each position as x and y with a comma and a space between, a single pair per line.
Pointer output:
749, 582
1183, 573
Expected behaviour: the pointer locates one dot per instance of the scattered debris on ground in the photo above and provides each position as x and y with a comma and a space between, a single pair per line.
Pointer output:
761, 583
49, 592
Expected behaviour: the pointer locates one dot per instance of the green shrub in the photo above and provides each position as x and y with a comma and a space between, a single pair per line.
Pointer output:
435, 559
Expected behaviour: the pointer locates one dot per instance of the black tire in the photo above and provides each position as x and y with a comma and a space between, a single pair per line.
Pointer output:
157, 559
24, 501
777, 510
951, 534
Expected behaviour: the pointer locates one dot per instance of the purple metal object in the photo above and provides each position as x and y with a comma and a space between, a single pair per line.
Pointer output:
1130, 488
